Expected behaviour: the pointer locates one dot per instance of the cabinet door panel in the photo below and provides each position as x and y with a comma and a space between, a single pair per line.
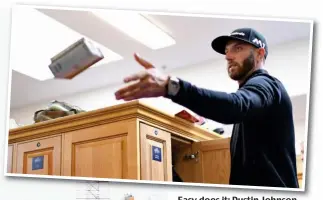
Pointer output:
299, 165
105, 157
212, 164
155, 154
103, 151
10, 158
41, 157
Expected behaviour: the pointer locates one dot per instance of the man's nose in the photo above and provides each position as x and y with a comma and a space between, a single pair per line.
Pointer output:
229, 56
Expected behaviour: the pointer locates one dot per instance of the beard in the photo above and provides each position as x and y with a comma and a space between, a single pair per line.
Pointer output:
241, 71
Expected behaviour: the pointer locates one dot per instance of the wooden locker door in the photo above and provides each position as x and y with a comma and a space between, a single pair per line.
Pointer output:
103, 151
212, 162
10, 158
299, 165
41, 157
155, 152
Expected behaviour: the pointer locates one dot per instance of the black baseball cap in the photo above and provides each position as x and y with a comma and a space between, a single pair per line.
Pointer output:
247, 35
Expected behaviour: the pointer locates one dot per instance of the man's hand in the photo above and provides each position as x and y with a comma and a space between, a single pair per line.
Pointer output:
150, 83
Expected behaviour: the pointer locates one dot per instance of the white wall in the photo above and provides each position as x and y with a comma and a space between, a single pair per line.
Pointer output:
288, 62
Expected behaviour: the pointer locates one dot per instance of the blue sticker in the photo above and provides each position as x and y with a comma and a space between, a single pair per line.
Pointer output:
38, 163
157, 153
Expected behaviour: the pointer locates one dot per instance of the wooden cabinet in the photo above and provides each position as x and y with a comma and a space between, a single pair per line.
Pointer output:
213, 161
10, 156
299, 163
203, 162
103, 151
40, 156
126, 141
155, 151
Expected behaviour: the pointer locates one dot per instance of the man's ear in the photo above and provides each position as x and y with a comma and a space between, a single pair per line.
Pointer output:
261, 53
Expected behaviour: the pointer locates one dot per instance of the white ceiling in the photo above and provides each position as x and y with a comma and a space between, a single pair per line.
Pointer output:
193, 37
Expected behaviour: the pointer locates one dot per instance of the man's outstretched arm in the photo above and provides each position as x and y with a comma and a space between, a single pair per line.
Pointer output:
250, 100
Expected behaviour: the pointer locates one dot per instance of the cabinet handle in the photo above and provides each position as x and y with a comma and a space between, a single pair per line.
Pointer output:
38, 144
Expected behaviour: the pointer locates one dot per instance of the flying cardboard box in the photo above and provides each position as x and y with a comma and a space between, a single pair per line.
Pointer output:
76, 58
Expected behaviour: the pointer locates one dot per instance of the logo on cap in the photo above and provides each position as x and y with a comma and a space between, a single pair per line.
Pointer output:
238, 33
259, 43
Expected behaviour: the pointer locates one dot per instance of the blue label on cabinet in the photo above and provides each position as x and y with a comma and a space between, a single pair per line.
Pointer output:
38, 163
157, 153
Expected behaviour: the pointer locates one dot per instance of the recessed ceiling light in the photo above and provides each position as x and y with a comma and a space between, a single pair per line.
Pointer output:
36, 38
137, 27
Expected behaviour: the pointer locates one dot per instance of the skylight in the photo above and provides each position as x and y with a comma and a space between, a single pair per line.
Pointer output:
36, 38
137, 27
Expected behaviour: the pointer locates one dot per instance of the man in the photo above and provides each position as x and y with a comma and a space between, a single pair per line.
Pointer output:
262, 142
